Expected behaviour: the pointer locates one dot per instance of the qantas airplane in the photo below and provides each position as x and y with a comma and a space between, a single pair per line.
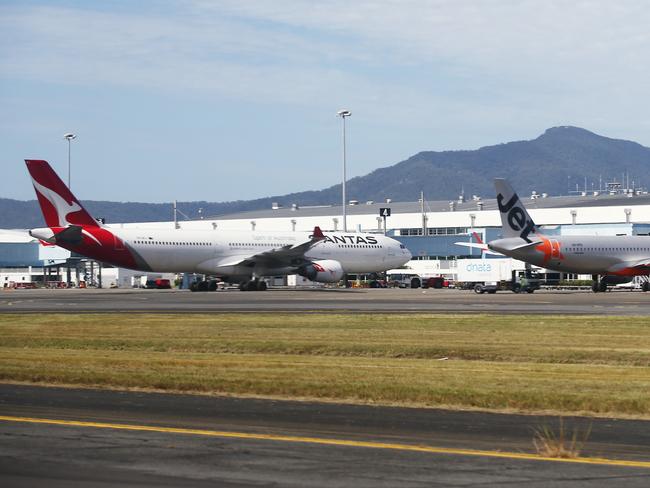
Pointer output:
610, 260
237, 257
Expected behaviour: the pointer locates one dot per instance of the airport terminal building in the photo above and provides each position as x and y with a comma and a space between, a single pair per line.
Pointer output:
429, 229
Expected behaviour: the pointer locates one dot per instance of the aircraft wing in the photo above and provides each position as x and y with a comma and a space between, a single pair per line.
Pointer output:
276, 258
642, 264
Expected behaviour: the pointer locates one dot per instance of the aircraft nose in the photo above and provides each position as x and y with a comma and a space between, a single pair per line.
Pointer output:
405, 255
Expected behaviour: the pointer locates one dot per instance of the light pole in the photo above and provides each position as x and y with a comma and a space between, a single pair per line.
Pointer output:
343, 114
472, 219
69, 136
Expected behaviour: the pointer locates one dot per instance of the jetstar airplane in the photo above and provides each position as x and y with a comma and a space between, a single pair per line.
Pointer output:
610, 260
237, 257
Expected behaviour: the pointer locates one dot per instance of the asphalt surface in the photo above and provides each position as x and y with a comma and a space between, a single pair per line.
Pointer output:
617, 302
280, 443
273, 454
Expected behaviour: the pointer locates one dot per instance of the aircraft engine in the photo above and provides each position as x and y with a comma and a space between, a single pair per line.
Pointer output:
323, 271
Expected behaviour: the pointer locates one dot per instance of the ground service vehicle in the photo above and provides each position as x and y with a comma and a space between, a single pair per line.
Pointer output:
491, 275
403, 279
158, 284
525, 281
435, 282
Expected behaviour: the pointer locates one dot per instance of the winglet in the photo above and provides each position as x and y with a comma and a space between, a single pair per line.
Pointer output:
318, 234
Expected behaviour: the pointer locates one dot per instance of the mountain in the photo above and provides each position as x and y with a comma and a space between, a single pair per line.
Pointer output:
546, 164
561, 157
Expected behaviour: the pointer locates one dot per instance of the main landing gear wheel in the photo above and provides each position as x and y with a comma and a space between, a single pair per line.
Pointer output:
253, 285
599, 286
645, 286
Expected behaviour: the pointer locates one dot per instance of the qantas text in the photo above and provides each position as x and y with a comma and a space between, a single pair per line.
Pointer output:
350, 239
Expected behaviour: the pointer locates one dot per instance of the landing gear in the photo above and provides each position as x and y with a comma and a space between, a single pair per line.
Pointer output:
645, 286
253, 285
599, 285
206, 285
248, 286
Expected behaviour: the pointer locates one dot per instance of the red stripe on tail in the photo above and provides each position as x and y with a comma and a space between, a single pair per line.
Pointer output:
59, 206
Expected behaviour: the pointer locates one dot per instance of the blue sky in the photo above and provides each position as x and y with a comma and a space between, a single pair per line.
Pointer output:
223, 100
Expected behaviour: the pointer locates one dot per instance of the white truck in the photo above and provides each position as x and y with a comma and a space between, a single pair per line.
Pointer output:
490, 275
403, 278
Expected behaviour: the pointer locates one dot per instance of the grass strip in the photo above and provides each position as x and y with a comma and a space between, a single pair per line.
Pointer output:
525, 363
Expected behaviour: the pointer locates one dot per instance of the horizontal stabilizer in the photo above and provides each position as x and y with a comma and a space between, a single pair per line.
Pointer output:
475, 245
71, 235
526, 245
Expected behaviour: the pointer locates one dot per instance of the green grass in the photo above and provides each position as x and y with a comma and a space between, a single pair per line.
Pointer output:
594, 365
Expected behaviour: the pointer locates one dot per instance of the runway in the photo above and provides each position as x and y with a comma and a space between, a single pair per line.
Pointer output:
78, 437
81, 437
615, 303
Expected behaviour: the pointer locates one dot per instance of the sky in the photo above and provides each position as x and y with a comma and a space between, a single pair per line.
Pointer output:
224, 100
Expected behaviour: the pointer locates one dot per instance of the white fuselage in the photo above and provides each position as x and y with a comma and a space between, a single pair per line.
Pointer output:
212, 252
580, 254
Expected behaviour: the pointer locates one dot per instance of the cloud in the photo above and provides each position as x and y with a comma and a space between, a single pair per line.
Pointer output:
478, 33
185, 53
256, 47
480, 60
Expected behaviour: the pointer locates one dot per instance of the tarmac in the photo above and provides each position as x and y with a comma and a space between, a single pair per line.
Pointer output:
70, 437
94, 438
556, 302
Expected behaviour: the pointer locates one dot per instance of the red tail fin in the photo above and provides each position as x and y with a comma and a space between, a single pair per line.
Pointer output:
59, 206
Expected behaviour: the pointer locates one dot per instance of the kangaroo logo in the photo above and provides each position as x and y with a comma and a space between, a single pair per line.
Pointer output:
63, 208
517, 218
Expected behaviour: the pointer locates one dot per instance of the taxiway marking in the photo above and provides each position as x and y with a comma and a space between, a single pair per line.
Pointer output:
326, 441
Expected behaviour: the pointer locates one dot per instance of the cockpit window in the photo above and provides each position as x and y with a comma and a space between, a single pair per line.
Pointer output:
402, 246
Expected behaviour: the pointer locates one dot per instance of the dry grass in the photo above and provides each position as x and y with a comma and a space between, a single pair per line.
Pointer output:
548, 443
561, 364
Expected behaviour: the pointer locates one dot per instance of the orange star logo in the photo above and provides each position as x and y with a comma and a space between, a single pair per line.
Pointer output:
550, 248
